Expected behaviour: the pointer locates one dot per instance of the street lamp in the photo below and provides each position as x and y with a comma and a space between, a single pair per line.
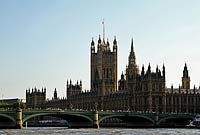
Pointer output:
71, 106
96, 106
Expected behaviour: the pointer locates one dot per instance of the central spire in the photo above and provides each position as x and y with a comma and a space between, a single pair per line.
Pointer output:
132, 45
132, 59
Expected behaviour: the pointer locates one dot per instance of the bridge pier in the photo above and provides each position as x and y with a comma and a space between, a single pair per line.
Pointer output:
96, 120
19, 119
156, 118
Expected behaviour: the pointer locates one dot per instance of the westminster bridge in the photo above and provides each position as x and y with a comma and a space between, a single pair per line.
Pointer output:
76, 119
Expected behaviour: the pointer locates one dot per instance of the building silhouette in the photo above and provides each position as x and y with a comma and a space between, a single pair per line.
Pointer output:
35, 98
136, 90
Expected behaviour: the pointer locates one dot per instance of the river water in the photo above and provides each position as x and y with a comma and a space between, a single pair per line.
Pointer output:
101, 131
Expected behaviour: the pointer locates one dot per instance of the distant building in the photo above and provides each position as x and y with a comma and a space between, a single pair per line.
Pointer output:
183, 99
136, 90
35, 98
104, 67
11, 100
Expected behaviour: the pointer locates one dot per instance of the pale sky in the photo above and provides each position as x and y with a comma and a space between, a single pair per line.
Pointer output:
45, 42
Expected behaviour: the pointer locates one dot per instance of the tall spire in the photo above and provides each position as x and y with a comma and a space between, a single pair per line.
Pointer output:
163, 70
185, 71
92, 42
99, 41
115, 41
142, 72
132, 45
185, 78
132, 59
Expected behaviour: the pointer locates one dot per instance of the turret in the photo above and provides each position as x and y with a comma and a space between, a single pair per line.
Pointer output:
185, 78
81, 84
149, 68
55, 94
92, 46
157, 70
99, 43
185, 72
70, 82
122, 76
115, 45
121, 82
67, 83
108, 45
104, 66
163, 72
194, 89
142, 72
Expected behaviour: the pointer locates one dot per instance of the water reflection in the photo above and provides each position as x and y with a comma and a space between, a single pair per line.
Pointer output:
101, 131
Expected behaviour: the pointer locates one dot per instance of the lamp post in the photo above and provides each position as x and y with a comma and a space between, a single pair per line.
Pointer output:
19, 116
96, 117
71, 107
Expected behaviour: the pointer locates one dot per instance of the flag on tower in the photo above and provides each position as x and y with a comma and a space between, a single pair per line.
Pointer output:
103, 30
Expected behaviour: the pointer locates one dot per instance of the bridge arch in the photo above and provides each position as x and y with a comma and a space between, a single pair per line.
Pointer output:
130, 118
8, 117
73, 119
174, 121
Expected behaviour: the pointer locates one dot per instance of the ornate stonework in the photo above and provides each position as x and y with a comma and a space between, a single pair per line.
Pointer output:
143, 91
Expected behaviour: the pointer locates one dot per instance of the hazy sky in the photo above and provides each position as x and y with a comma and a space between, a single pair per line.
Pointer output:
45, 42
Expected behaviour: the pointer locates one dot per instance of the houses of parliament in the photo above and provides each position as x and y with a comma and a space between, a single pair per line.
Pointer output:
139, 90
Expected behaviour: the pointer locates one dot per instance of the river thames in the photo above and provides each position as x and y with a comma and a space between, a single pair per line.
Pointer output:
101, 131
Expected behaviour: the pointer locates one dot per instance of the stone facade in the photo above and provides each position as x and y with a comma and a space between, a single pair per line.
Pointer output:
104, 67
136, 91
35, 98
143, 91
183, 99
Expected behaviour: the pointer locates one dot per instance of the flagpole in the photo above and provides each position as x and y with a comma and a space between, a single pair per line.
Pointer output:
103, 30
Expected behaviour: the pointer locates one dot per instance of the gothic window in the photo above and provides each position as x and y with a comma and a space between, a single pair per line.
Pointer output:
104, 73
107, 72
147, 86
182, 101
189, 100
188, 85
177, 100
160, 101
153, 87
160, 87
132, 61
153, 101
174, 101
110, 73
185, 100
169, 100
